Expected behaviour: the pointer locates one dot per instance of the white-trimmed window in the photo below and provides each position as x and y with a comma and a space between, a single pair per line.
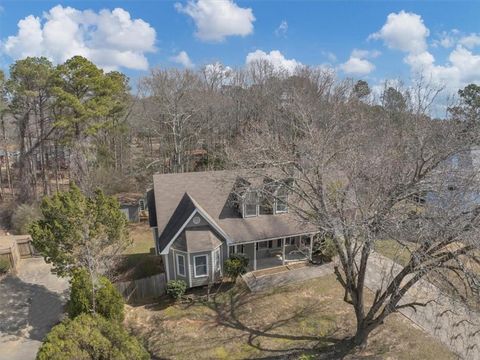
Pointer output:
200, 265
250, 204
281, 199
180, 265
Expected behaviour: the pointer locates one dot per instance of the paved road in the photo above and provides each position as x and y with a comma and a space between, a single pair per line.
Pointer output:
450, 322
30, 304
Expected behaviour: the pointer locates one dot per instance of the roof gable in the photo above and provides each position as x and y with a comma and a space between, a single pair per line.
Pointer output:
178, 195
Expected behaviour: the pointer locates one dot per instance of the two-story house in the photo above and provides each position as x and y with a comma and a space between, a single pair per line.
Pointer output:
199, 219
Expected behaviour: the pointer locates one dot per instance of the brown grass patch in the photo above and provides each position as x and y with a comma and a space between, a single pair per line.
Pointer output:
308, 318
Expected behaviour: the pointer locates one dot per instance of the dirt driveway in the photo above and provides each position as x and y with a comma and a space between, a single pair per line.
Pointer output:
30, 304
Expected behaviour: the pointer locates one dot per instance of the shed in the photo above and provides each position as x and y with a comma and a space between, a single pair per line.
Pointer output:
133, 205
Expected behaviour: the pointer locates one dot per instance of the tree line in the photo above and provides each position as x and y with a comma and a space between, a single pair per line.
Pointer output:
359, 163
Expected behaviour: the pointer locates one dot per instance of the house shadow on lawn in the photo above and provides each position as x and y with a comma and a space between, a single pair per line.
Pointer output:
326, 346
28, 310
137, 266
223, 325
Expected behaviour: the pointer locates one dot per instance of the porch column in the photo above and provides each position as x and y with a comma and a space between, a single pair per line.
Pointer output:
254, 256
311, 247
283, 251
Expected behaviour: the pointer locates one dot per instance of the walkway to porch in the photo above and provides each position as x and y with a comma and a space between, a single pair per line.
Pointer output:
262, 280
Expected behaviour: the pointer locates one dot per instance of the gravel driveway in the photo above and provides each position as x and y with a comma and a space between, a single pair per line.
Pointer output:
30, 304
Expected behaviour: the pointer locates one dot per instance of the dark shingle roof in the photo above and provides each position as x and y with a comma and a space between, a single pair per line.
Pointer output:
212, 192
179, 217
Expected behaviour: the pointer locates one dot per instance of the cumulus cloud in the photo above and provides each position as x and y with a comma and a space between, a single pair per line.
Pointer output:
358, 64
462, 66
275, 58
282, 29
111, 39
403, 31
183, 59
452, 38
217, 19
470, 41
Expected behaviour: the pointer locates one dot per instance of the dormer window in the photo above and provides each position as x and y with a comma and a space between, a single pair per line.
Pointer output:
281, 200
250, 204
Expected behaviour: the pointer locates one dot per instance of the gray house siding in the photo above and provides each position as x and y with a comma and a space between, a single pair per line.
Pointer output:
203, 222
168, 263
199, 281
179, 247
248, 249
174, 257
131, 212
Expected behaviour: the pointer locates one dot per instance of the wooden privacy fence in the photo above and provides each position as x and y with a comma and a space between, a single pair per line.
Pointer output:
11, 255
16, 247
138, 290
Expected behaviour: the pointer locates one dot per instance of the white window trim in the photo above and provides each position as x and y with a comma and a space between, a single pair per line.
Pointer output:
195, 266
244, 205
178, 265
219, 264
286, 205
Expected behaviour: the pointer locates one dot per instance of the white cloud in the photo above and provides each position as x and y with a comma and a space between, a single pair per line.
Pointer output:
111, 39
359, 53
447, 39
470, 41
275, 58
462, 66
403, 31
282, 29
183, 59
358, 64
218, 68
218, 74
217, 19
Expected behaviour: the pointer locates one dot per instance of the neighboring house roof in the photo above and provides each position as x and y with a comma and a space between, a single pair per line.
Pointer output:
130, 199
177, 195
201, 240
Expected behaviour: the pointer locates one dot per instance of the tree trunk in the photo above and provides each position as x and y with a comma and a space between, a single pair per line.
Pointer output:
360, 340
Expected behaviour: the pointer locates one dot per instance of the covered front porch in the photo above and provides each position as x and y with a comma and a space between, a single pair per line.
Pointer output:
270, 253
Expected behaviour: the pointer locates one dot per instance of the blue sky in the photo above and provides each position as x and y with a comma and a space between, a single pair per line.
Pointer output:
445, 35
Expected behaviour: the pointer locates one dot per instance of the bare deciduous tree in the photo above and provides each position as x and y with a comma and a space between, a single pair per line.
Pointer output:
356, 173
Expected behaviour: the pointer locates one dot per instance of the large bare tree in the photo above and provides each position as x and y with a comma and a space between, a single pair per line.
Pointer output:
358, 171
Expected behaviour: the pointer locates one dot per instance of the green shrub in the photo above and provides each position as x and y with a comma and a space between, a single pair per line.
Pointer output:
23, 216
4, 266
235, 266
176, 288
90, 337
108, 301
327, 249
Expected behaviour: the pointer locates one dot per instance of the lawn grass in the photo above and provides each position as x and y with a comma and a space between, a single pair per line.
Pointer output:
395, 251
142, 239
138, 261
308, 318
